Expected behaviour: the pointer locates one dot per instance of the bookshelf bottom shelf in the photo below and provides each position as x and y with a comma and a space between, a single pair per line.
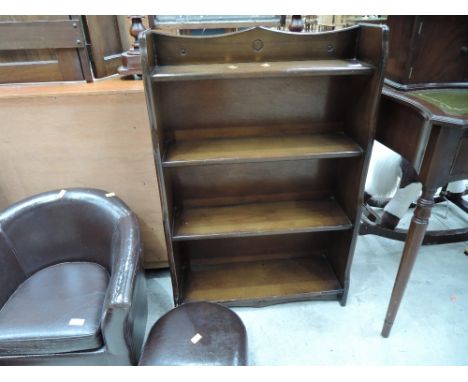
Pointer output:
260, 283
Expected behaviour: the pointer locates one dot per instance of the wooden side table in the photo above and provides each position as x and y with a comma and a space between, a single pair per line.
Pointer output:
430, 129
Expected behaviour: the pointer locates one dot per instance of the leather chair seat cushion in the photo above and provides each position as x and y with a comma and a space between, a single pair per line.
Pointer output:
56, 310
198, 333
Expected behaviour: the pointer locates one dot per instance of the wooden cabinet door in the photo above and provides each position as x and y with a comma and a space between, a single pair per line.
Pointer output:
440, 50
105, 44
428, 49
42, 48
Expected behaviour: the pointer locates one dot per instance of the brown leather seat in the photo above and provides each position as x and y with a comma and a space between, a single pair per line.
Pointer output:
61, 311
198, 333
72, 288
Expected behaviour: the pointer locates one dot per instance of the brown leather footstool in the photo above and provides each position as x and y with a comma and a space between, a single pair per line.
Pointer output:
198, 333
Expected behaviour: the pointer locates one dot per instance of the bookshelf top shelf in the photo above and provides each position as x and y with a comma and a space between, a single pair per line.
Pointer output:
334, 67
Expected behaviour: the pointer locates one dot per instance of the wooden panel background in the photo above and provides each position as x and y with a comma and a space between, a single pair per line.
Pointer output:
51, 34
40, 64
82, 135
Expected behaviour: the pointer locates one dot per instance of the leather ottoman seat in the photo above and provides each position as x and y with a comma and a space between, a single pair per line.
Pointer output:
198, 333
60, 307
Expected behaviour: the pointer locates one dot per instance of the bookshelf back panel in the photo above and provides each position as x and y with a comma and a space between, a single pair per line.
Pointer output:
255, 45
252, 102
241, 249
217, 185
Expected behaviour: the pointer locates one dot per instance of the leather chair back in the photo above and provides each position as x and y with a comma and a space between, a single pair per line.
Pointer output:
50, 228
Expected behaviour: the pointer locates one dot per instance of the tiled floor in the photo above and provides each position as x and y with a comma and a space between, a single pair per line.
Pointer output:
431, 327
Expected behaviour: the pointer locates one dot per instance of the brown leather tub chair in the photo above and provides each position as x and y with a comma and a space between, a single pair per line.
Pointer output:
72, 287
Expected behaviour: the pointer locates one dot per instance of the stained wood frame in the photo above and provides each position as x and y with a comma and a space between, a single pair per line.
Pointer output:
251, 132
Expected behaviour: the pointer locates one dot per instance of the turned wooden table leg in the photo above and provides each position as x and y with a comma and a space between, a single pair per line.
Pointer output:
413, 242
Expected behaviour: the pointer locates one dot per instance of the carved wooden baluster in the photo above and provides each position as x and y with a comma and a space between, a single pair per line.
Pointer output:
297, 25
131, 59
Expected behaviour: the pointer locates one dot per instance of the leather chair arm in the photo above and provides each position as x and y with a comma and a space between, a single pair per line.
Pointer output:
125, 300
126, 254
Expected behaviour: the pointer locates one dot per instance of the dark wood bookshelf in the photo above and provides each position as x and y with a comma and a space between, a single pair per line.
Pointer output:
261, 140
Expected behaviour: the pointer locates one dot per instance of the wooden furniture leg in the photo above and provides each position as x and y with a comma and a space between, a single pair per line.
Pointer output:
458, 200
413, 242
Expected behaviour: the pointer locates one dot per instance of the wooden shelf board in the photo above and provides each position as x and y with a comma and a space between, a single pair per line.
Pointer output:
258, 219
262, 282
260, 149
263, 69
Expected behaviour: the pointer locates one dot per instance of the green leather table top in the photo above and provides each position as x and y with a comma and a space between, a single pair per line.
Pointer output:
450, 101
